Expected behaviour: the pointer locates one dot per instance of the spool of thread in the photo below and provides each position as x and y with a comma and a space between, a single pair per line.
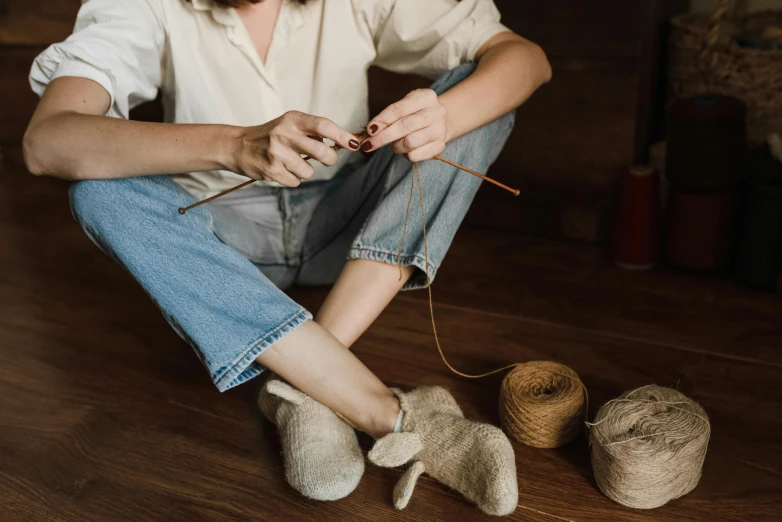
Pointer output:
648, 446
636, 227
542, 404
707, 141
759, 257
700, 228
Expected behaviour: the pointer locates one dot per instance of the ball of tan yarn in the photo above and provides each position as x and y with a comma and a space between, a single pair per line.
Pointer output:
542, 404
648, 446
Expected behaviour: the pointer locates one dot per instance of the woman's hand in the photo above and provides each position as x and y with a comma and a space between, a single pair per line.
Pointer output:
272, 151
414, 126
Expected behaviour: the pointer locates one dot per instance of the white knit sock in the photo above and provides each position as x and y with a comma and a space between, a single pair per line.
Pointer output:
398, 423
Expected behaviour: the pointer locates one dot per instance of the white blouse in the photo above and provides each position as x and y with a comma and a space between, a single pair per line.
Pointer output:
202, 59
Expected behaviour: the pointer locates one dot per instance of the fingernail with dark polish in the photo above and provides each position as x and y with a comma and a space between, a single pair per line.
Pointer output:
367, 146
354, 144
373, 128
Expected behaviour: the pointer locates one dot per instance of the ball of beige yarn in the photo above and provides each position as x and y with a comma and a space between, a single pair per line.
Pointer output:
542, 404
648, 446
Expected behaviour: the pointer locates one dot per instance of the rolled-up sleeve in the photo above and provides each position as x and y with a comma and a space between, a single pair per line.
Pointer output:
432, 36
118, 44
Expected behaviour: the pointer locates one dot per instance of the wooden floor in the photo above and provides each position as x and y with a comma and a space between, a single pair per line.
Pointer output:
106, 415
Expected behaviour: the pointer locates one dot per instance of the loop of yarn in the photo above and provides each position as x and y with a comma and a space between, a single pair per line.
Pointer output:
648, 446
542, 404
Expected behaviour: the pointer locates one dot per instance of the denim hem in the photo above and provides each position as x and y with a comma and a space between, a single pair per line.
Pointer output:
416, 282
243, 368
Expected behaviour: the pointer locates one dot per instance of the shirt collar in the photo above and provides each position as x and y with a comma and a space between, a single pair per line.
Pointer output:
221, 14
201, 5
224, 15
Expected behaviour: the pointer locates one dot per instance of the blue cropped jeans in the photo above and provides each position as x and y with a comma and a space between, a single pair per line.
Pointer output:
218, 272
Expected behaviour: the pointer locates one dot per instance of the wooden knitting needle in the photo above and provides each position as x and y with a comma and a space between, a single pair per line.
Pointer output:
225, 192
513, 191
221, 194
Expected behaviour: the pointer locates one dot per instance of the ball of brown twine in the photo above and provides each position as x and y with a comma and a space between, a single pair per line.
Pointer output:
648, 446
542, 404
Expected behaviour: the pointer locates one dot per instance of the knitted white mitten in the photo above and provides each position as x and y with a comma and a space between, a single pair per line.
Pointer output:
322, 458
475, 459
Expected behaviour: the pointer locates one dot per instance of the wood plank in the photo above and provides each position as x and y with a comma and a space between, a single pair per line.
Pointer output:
578, 287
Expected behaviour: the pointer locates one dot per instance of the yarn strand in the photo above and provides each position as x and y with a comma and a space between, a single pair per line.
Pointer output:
417, 177
554, 420
404, 229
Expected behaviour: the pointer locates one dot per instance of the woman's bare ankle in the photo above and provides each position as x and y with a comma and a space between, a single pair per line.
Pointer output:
380, 421
315, 362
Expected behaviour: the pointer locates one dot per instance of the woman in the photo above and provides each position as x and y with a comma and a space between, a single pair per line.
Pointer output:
251, 87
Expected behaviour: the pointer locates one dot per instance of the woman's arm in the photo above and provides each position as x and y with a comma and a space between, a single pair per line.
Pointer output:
510, 69
69, 138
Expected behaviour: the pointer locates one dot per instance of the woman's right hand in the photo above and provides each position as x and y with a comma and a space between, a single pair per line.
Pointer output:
273, 151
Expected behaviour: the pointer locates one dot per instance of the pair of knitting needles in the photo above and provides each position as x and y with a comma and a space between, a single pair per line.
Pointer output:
513, 191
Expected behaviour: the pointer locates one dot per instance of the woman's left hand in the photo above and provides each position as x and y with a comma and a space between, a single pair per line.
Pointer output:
414, 126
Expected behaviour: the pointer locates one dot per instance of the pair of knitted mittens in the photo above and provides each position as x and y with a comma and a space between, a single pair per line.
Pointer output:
323, 460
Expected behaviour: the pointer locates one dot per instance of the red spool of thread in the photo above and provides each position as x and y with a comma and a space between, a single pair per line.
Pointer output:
700, 227
636, 228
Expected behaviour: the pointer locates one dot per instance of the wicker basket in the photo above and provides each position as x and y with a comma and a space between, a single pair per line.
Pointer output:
705, 58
